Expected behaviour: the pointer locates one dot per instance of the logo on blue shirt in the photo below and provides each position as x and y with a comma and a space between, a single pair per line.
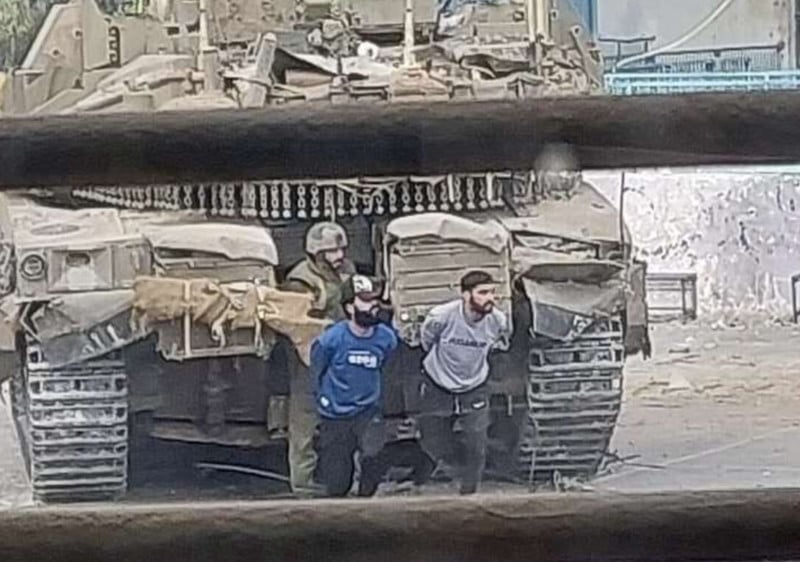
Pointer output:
347, 368
362, 359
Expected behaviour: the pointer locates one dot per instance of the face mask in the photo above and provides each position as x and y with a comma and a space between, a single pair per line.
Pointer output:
366, 318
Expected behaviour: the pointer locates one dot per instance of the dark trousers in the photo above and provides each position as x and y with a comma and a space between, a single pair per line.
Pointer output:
339, 439
405, 453
455, 426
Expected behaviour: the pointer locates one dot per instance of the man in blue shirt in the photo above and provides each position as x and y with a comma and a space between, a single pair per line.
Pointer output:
346, 364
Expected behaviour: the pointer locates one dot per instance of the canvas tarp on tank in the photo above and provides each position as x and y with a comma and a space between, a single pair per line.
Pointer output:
425, 257
563, 311
547, 265
83, 326
567, 285
586, 215
223, 308
38, 226
449, 227
556, 253
236, 242
558, 243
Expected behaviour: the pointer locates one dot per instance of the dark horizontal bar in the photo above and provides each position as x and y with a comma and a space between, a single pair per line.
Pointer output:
627, 40
744, 525
397, 139
670, 276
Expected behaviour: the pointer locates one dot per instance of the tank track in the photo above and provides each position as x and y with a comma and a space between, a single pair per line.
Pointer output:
574, 396
74, 428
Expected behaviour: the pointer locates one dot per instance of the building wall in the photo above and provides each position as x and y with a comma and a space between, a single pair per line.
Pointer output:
737, 229
745, 22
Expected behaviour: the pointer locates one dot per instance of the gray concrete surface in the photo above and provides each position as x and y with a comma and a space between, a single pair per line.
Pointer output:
713, 409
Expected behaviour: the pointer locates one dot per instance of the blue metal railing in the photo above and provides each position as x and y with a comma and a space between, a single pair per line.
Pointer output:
746, 58
639, 83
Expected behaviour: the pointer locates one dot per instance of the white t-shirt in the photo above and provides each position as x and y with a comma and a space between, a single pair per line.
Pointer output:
458, 349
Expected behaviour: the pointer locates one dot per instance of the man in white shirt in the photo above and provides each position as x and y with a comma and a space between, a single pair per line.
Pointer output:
457, 338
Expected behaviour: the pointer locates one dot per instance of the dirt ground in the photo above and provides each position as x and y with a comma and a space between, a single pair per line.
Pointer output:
713, 408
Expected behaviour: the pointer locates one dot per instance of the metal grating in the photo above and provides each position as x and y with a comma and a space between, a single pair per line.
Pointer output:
574, 396
77, 434
636, 83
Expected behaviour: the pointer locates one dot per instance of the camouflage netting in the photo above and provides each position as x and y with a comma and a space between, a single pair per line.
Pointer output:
738, 230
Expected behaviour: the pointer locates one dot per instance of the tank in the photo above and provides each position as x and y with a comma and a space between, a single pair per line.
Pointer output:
118, 314
152, 310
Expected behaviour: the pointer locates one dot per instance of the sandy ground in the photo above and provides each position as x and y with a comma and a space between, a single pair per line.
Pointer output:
711, 409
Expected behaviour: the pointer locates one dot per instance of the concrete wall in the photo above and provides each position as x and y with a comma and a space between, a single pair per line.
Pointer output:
744, 22
738, 230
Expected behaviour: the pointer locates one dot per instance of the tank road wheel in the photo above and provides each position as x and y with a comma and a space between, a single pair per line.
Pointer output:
574, 395
78, 429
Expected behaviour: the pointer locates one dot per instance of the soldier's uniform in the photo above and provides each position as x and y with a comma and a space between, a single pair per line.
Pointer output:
324, 283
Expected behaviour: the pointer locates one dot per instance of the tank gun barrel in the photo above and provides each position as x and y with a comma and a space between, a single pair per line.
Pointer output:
413, 138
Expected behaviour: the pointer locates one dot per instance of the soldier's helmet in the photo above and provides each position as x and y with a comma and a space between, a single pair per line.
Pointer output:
325, 237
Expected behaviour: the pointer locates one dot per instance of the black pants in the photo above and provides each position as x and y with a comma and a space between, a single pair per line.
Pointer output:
405, 453
339, 440
456, 423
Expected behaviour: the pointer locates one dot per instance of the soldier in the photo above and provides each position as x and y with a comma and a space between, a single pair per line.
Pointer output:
457, 337
321, 273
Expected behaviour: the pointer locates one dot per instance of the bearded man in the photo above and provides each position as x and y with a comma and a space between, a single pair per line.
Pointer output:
347, 363
457, 338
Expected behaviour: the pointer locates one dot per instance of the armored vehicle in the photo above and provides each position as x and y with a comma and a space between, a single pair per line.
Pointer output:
89, 289
153, 309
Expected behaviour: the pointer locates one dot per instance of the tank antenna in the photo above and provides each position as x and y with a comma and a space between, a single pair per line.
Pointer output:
408, 35
537, 20
530, 20
202, 32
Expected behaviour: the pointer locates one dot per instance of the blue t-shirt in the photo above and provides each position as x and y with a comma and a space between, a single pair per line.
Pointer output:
347, 368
